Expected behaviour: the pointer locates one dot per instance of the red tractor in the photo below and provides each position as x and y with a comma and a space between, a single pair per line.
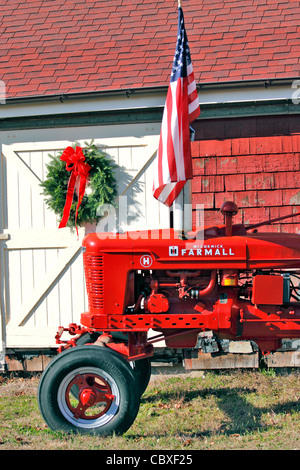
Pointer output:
230, 280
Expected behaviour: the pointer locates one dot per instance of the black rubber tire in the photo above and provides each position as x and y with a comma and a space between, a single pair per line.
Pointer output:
95, 360
142, 372
141, 368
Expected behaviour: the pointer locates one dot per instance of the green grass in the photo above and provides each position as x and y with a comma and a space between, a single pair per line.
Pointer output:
245, 410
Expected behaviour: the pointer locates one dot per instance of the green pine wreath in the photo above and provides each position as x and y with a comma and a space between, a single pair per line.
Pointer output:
101, 187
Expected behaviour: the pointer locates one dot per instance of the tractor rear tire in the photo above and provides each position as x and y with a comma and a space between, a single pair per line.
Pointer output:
89, 390
142, 372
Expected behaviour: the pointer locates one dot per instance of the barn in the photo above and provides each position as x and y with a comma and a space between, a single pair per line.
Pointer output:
81, 71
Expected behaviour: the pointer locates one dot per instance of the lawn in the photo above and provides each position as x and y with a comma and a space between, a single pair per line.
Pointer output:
238, 410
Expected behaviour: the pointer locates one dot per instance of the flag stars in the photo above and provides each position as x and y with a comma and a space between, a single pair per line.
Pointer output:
182, 57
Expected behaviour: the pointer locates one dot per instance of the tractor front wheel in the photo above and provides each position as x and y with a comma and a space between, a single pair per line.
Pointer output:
89, 390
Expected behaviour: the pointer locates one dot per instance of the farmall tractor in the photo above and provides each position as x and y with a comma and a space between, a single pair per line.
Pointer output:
230, 280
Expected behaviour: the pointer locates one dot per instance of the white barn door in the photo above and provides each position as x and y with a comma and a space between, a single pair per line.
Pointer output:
42, 279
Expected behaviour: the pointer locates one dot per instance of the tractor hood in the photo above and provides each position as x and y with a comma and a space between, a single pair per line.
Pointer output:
209, 249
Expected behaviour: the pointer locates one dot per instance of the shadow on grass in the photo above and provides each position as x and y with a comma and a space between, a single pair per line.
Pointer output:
242, 416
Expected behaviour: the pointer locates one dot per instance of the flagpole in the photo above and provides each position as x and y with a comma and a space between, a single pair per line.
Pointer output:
178, 212
187, 207
177, 208
182, 206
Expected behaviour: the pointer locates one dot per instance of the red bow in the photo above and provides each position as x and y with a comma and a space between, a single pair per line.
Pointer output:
75, 162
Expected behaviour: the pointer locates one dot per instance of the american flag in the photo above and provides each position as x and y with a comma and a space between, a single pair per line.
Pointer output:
174, 162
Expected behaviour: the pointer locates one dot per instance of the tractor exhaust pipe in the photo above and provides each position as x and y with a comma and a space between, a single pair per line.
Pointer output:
229, 209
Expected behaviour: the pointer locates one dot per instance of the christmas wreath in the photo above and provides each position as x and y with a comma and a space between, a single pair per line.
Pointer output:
79, 181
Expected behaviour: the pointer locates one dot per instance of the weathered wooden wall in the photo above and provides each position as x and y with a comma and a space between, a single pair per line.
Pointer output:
254, 162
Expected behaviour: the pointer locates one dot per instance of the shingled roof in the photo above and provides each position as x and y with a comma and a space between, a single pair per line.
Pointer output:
54, 47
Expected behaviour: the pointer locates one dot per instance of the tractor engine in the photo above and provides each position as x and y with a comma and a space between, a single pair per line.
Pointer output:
174, 291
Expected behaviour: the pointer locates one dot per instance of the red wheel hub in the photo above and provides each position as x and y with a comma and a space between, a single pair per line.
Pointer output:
88, 396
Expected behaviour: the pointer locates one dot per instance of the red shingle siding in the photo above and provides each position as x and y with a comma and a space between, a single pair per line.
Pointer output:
62, 46
260, 174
